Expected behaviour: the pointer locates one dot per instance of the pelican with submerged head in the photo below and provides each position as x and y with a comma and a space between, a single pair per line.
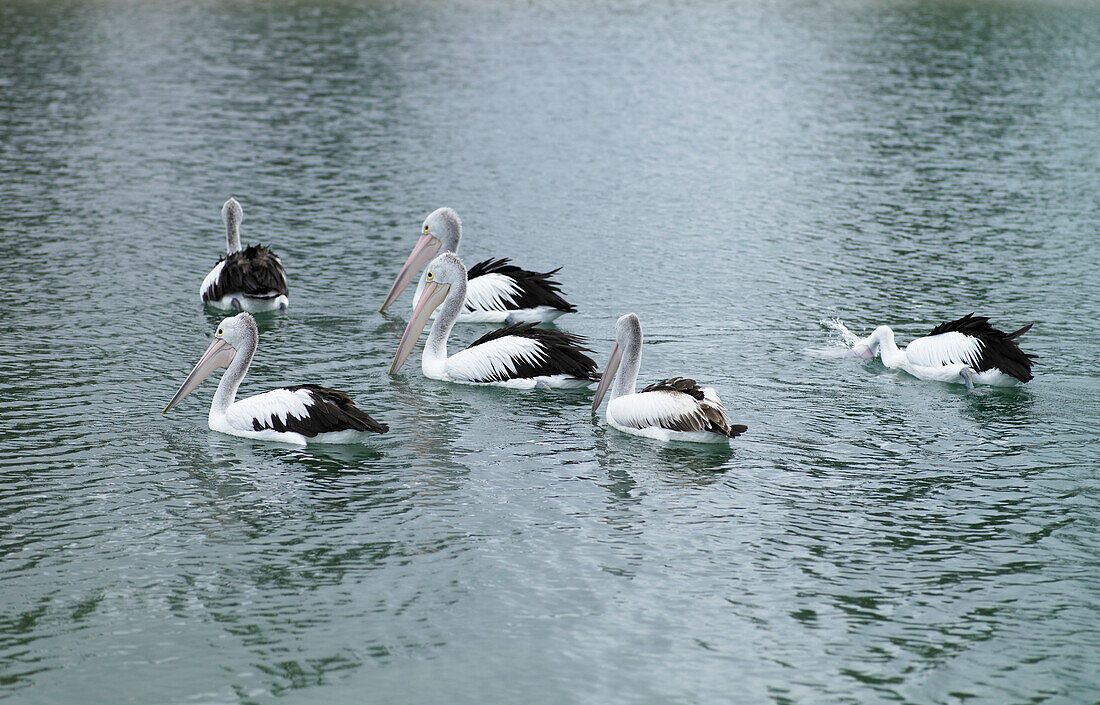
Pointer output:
497, 292
675, 409
967, 351
519, 356
252, 279
300, 414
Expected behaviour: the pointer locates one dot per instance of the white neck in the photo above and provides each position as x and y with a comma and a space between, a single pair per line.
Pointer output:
231, 380
891, 355
232, 236
435, 350
627, 378
451, 243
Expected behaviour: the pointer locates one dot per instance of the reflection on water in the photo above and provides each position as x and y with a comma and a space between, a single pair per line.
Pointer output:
691, 462
1007, 406
733, 173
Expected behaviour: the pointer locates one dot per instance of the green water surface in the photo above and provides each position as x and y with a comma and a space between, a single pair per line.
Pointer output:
733, 172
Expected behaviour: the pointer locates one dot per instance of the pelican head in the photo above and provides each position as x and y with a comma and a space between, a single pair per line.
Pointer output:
445, 272
628, 336
968, 377
232, 215
235, 335
869, 346
440, 231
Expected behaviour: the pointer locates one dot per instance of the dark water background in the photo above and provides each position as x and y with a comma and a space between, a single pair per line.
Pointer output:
733, 172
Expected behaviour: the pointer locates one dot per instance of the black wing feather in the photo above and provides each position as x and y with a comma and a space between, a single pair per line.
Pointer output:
564, 353
677, 384
999, 349
714, 419
330, 410
254, 271
535, 288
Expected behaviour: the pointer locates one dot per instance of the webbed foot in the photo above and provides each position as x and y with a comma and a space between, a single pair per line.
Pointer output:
235, 305
968, 376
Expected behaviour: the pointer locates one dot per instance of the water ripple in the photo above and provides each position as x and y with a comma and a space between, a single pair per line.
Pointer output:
734, 174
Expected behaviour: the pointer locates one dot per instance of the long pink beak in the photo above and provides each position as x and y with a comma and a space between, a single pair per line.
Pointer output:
861, 351
608, 375
426, 248
219, 354
434, 295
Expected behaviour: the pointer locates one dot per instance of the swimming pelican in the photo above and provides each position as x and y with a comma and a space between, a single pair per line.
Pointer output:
497, 292
251, 279
519, 356
675, 409
967, 351
304, 413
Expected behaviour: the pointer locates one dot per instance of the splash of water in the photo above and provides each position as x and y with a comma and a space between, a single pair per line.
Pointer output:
842, 340
845, 336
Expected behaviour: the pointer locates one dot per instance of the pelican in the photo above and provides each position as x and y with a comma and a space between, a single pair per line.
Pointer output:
519, 356
301, 414
497, 292
675, 409
967, 351
251, 279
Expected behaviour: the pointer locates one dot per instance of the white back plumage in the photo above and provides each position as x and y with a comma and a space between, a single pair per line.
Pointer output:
665, 409
951, 348
494, 358
211, 279
278, 402
491, 292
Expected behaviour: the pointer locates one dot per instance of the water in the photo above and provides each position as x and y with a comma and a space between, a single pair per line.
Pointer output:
734, 173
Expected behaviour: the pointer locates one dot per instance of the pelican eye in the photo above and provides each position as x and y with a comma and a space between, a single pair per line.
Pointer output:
429, 277
425, 228
219, 331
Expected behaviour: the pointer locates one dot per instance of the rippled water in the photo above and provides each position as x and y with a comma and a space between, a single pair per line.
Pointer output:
733, 172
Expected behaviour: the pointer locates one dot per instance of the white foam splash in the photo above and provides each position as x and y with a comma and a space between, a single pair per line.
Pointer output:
842, 342
847, 337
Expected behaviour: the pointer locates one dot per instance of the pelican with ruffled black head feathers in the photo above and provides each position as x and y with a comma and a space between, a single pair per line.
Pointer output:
519, 356
675, 409
249, 279
300, 414
497, 292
